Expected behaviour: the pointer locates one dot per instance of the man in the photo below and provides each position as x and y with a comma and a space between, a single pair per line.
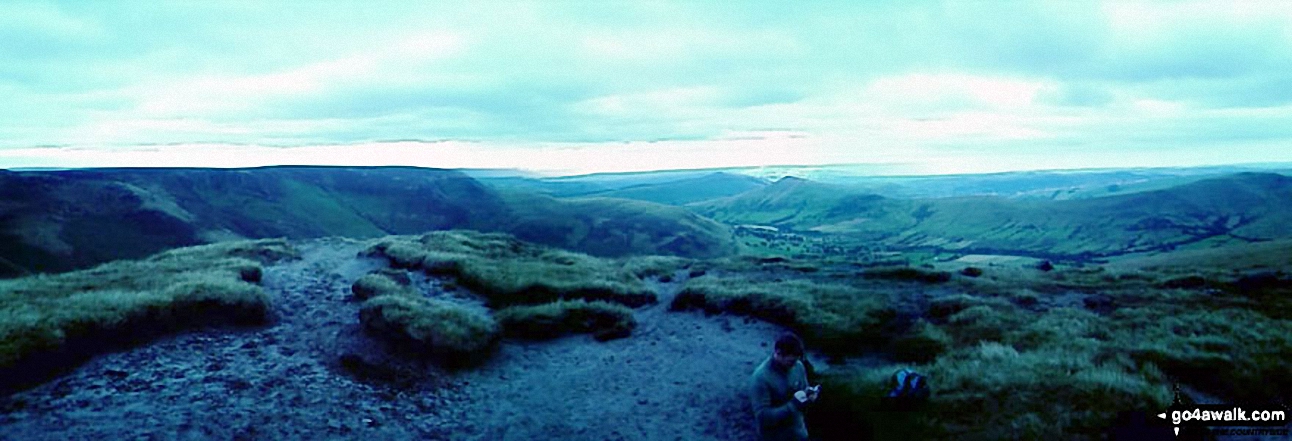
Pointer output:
773, 389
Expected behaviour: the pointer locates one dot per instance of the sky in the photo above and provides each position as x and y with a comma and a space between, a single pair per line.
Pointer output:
583, 86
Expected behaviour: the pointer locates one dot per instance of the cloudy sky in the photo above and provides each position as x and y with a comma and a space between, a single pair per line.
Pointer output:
584, 86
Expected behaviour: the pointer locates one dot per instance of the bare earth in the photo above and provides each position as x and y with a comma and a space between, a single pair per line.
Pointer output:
680, 376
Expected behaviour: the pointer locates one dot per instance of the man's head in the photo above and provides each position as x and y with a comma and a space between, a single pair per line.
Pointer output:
787, 351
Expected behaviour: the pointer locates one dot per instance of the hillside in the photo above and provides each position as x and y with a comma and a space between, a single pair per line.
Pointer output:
59, 220
613, 227
894, 182
1246, 206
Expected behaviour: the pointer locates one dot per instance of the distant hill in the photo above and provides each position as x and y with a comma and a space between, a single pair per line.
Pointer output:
893, 182
598, 183
1246, 206
60, 220
685, 191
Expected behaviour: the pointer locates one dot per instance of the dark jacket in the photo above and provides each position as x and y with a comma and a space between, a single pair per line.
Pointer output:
770, 393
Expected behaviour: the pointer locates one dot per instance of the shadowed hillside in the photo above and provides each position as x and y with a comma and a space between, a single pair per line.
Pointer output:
612, 227
56, 221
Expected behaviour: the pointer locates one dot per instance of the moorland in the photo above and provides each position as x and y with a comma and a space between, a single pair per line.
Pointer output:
1040, 304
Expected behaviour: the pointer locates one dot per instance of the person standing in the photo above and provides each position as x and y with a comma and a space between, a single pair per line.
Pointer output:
779, 392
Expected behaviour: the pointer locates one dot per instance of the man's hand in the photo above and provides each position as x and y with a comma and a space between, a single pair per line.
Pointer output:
813, 393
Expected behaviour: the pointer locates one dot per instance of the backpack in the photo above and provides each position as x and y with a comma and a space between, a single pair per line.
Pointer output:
908, 390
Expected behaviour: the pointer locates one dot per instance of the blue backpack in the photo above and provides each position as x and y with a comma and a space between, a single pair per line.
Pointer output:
908, 390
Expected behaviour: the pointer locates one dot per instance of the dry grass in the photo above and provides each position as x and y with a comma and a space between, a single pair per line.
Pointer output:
58, 320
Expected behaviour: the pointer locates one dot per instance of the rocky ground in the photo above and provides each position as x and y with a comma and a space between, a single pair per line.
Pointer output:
314, 375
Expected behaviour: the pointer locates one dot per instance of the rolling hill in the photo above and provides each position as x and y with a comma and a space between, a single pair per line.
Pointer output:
684, 191
61, 220
1245, 206
673, 187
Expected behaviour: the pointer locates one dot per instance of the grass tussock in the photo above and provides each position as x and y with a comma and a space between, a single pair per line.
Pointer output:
430, 327
507, 271
605, 321
378, 284
662, 267
55, 321
1232, 352
832, 317
922, 343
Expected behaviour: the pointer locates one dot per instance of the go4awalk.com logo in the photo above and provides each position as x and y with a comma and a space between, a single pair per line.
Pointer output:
1224, 415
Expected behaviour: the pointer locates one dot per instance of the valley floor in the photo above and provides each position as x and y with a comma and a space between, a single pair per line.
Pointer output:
680, 376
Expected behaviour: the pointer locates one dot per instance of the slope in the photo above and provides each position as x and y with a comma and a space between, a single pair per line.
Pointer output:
61, 220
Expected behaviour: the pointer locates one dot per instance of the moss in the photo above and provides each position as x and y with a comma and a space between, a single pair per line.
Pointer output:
605, 321
449, 332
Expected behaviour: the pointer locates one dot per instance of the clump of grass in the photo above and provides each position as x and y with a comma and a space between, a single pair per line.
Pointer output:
440, 329
971, 271
993, 391
605, 321
1233, 352
907, 274
506, 271
922, 343
1001, 392
377, 284
57, 321
834, 318
655, 266
984, 322
942, 308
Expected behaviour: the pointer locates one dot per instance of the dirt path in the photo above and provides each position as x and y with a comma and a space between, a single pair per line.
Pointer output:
680, 376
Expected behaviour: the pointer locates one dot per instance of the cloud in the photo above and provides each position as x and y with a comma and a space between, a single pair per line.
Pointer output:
897, 81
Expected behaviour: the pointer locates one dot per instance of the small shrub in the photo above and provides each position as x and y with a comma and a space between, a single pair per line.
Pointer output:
1187, 282
908, 274
971, 271
605, 321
